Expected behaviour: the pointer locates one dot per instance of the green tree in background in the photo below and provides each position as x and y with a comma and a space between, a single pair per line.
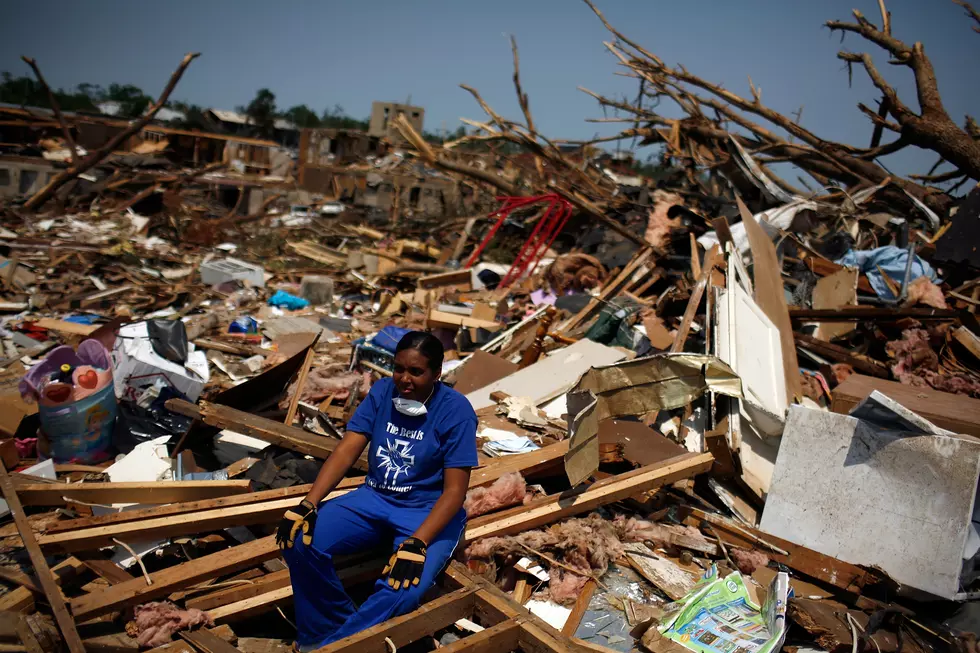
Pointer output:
261, 112
132, 100
302, 116
26, 91
337, 118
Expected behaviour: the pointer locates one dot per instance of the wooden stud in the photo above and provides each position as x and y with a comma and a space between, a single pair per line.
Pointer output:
304, 371
710, 261
44, 573
54, 494
580, 608
207, 642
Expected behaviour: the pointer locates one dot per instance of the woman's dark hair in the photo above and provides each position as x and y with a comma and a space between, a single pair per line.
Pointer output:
427, 344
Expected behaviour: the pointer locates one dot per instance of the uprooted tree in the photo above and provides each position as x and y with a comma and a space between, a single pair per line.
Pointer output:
715, 116
719, 124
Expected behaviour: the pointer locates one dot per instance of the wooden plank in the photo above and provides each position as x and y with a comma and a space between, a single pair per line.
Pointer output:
499, 638
576, 501
44, 573
580, 608
191, 506
20, 579
710, 260
207, 642
769, 294
249, 607
54, 494
27, 637
188, 573
304, 371
288, 437
426, 620
840, 354
64, 326
223, 632
956, 413
267, 583
168, 580
873, 313
104, 568
171, 521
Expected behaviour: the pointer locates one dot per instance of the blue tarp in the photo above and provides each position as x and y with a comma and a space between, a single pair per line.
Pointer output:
892, 260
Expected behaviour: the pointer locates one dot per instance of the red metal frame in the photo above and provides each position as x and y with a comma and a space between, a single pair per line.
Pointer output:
557, 211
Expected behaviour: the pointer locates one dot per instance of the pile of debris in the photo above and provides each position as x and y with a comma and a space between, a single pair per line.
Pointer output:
701, 426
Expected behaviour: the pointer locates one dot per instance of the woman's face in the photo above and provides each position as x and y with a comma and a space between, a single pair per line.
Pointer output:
413, 378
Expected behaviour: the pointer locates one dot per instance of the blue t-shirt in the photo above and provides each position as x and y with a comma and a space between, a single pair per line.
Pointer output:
407, 455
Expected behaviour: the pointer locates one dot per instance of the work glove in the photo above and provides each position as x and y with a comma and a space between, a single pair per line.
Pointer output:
405, 565
302, 517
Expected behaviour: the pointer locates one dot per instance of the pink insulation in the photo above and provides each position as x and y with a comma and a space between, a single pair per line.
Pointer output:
748, 561
508, 490
587, 545
157, 622
917, 364
325, 381
924, 291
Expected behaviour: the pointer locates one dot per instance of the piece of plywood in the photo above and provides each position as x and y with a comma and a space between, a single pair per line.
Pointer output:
956, 413
769, 294
551, 376
666, 575
899, 501
482, 370
833, 291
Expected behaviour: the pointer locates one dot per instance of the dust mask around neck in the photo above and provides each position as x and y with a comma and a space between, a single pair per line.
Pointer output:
411, 407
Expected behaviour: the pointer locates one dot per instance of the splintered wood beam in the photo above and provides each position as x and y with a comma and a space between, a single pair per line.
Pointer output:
56, 494
402, 631
277, 433
46, 577
168, 580
577, 500
710, 261
190, 506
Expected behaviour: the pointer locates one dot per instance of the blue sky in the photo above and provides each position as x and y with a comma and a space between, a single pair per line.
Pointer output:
326, 53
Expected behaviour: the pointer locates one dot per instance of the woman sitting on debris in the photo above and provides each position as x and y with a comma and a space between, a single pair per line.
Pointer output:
422, 437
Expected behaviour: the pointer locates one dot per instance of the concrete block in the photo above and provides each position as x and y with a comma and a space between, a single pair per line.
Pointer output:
317, 289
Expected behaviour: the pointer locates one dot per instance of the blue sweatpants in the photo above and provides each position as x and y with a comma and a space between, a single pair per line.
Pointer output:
352, 523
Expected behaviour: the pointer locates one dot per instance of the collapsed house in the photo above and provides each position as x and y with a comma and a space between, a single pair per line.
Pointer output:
716, 411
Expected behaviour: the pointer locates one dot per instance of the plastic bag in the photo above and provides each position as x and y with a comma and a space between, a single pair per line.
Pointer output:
169, 339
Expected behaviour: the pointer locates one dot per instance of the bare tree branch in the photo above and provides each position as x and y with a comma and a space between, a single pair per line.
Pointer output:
92, 159
971, 12
55, 108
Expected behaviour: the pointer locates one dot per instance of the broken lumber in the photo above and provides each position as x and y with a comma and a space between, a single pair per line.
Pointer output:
956, 413
711, 259
577, 500
46, 577
842, 355
56, 494
277, 433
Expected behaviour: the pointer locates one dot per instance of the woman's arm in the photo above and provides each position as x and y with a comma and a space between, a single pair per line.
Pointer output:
456, 480
337, 465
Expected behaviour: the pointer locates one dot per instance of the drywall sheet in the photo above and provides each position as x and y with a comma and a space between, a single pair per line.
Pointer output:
551, 376
898, 500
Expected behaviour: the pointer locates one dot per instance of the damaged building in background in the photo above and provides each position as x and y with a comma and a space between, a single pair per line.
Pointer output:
719, 409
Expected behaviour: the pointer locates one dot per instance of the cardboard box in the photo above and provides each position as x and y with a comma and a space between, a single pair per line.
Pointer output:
135, 366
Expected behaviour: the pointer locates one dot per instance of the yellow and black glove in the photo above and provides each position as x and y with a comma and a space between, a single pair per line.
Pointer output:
405, 565
302, 517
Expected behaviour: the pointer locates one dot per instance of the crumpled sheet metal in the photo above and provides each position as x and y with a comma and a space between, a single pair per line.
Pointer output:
632, 388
